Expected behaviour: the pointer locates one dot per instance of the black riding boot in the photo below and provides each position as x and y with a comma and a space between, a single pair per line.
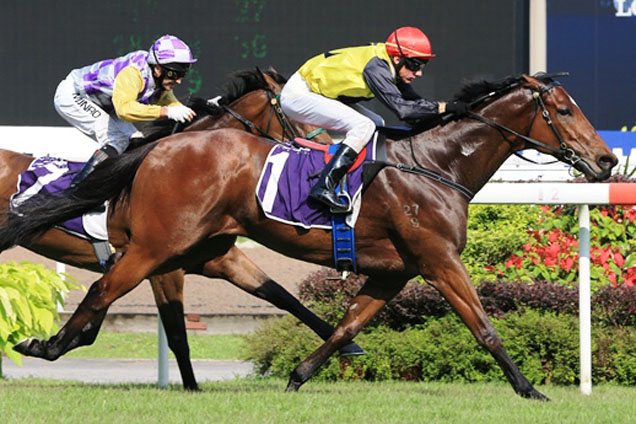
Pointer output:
324, 190
98, 157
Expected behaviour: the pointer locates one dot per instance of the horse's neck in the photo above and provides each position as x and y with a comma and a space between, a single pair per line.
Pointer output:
251, 107
467, 151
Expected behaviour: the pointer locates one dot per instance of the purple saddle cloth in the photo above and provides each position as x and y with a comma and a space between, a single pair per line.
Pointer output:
49, 175
287, 177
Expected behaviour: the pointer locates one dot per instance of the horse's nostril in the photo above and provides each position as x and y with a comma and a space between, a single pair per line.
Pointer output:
607, 161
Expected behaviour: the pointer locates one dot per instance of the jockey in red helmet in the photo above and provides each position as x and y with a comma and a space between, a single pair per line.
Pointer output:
104, 99
325, 91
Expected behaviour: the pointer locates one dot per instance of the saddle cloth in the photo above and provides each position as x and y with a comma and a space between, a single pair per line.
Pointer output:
287, 177
51, 175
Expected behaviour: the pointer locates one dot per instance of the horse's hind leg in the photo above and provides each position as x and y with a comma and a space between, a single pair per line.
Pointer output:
373, 295
123, 277
241, 271
452, 280
168, 292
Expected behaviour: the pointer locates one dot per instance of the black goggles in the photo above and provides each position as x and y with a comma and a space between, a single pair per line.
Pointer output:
414, 65
173, 74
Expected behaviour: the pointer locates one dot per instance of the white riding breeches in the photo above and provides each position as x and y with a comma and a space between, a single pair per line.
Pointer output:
90, 118
355, 121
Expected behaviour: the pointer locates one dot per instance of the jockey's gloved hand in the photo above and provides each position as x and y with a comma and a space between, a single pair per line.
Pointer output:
458, 108
180, 113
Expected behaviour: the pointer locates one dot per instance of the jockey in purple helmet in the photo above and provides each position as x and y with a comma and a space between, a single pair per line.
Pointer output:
104, 99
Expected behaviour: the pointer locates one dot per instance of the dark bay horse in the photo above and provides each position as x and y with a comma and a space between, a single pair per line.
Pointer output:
193, 193
249, 95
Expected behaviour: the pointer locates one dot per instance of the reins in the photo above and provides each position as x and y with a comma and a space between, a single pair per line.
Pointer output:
247, 123
274, 101
563, 153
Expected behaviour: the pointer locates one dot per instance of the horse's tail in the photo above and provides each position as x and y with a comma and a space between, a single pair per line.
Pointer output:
111, 180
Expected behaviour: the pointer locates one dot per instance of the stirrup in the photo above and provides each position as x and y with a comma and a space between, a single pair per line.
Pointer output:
343, 195
343, 276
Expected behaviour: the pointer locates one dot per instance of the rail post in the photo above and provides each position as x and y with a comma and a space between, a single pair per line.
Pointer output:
162, 361
585, 332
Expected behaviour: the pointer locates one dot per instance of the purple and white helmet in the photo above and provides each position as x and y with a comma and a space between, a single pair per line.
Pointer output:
168, 49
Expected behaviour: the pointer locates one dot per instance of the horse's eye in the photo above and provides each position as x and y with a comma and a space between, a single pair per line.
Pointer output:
564, 111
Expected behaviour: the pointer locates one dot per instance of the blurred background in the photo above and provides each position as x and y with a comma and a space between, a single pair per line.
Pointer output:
42, 41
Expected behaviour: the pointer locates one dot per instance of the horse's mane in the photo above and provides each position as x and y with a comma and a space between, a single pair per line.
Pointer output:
246, 81
239, 84
473, 90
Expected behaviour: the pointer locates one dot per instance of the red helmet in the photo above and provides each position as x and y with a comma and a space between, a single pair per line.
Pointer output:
409, 42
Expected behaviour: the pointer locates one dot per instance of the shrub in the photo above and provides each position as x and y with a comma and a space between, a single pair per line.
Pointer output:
418, 302
545, 346
28, 296
494, 232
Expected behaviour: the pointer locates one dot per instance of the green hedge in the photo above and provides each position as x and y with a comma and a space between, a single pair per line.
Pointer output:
545, 346
494, 232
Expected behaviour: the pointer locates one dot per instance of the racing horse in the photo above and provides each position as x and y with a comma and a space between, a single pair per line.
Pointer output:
193, 193
249, 96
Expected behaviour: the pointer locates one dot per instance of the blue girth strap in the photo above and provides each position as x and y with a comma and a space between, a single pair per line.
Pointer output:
344, 243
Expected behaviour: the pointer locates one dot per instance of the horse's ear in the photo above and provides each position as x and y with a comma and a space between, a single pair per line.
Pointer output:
530, 82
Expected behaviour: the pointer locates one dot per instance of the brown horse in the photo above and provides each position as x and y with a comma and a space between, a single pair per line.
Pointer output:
249, 95
193, 193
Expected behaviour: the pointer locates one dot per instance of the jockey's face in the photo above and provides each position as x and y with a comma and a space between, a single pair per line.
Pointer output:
166, 83
405, 74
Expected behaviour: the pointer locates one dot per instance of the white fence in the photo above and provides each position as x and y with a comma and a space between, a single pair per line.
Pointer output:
70, 144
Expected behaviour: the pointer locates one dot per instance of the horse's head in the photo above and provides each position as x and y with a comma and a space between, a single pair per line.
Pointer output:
565, 132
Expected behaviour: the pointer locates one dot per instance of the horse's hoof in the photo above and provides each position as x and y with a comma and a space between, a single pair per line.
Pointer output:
535, 395
192, 389
352, 349
293, 385
29, 347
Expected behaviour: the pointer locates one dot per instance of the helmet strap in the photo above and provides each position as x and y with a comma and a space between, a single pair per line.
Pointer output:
158, 79
402, 61
400, 65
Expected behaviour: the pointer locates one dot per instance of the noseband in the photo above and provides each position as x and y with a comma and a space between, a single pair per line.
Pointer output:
288, 129
563, 153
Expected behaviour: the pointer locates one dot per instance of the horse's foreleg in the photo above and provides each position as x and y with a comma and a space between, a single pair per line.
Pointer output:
372, 296
123, 277
453, 282
168, 292
241, 271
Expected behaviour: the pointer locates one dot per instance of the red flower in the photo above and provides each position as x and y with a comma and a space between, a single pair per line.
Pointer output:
631, 213
618, 258
553, 236
567, 263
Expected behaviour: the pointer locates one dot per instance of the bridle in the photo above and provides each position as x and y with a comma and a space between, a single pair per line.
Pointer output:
563, 153
274, 100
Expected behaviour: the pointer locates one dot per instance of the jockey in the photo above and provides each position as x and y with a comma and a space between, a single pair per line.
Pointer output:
102, 100
324, 92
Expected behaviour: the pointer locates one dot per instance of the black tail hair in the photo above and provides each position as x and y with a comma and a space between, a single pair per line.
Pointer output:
111, 180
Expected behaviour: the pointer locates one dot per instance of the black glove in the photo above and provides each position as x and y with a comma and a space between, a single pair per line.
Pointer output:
458, 108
